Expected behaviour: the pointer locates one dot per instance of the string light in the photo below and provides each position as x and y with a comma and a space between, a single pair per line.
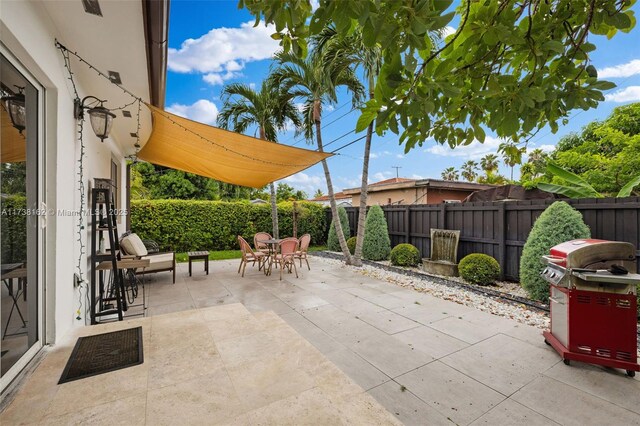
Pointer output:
81, 192
100, 73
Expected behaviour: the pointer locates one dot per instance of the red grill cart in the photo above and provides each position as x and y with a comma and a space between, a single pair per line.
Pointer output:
593, 303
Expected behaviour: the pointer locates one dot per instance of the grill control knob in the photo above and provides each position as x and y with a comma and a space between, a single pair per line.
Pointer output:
553, 275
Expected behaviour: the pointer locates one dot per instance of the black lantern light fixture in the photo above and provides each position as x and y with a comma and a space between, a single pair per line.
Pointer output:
16, 109
101, 118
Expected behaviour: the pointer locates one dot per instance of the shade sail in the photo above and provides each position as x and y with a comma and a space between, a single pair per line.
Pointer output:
13, 145
226, 156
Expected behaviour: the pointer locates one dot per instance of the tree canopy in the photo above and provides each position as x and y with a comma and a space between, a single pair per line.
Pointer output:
511, 66
604, 154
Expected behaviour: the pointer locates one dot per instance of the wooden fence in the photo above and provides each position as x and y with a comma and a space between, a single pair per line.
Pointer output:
500, 229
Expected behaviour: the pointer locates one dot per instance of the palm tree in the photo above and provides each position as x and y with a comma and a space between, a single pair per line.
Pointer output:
369, 58
315, 81
469, 170
489, 163
450, 173
270, 109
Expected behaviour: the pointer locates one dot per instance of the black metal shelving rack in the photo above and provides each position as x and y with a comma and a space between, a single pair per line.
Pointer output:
104, 219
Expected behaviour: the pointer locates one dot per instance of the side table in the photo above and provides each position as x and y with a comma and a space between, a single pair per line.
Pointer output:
204, 255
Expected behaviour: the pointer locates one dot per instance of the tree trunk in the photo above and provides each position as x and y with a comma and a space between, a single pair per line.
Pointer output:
332, 198
274, 206
364, 187
274, 211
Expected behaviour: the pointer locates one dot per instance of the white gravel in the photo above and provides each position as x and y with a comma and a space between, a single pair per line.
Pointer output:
520, 313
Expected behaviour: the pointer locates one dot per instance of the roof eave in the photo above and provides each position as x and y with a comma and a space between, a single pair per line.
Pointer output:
156, 33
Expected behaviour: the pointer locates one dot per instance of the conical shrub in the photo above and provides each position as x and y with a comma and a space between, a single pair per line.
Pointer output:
332, 240
376, 244
558, 223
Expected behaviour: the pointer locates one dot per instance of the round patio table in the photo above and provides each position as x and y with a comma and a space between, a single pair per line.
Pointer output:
272, 244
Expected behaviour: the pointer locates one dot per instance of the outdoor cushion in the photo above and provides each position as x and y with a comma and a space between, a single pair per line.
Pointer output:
132, 244
159, 261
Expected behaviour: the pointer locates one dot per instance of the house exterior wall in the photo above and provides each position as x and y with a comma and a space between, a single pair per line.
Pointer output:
29, 35
435, 196
416, 195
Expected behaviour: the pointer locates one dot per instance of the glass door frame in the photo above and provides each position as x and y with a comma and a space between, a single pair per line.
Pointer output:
36, 222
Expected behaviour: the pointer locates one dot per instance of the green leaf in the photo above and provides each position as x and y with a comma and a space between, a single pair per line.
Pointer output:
366, 118
572, 178
565, 190
626, 190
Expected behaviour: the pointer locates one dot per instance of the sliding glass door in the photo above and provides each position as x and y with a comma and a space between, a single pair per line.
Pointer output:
20, 209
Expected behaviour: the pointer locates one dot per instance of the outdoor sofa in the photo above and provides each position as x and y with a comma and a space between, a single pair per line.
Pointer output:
132, 245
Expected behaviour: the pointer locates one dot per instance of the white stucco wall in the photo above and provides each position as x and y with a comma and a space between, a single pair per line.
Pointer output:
28, 33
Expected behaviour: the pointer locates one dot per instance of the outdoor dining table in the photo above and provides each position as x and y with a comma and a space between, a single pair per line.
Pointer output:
272, 245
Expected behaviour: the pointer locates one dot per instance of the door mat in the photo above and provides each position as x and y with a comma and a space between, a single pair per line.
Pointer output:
103, 353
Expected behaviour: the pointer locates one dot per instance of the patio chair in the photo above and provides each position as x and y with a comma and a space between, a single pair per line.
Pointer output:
284, 257
132, 246
248, 255
303, 248
258, 244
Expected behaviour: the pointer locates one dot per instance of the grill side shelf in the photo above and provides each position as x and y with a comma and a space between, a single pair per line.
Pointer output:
607, 277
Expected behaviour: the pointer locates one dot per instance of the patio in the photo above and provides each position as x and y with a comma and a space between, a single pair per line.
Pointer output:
426, 360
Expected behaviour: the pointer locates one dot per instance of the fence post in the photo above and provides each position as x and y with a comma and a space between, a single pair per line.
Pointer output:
502, 236
443, 216
407, 223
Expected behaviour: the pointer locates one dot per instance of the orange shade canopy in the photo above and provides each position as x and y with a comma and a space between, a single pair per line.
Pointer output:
230, 157
13, 144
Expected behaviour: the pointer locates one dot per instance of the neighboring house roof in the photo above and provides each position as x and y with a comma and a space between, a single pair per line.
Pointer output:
453, 185
401, 183
391, 181
337, 196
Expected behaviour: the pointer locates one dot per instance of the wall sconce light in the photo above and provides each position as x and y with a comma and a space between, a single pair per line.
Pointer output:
101, 118
16, 109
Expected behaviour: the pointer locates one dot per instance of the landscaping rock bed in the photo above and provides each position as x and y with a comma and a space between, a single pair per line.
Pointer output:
502, 300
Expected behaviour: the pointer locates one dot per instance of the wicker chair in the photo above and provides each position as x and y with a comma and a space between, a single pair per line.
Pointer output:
301, 253
248, 255
258, 244
284, 257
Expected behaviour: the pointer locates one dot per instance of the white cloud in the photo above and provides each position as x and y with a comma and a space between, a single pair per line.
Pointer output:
448, 30
214, 78
622, 70
223, 52
473, 151
305, 182
382, 176
547, 148
202, 110
630, 94
400, 156
415, 176
374, 155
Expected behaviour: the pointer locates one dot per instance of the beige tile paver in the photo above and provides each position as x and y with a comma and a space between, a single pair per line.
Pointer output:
245, 364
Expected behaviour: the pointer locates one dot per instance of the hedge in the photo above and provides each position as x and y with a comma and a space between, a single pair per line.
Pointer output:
188, 225
14, 229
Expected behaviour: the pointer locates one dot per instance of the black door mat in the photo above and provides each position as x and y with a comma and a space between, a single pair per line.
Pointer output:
103, 353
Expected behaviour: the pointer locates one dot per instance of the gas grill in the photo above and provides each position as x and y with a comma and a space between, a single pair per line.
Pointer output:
593, 302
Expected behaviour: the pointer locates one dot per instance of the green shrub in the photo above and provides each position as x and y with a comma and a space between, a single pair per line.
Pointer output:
13, 223
332, 240
351, 243
405, 255
478, 268
187, 225
376, 245
558, 223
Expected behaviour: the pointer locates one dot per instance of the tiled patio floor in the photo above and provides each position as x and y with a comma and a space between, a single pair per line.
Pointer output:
218, 365
426, 360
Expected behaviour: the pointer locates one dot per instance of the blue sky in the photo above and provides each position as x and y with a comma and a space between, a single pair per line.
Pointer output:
212, 43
